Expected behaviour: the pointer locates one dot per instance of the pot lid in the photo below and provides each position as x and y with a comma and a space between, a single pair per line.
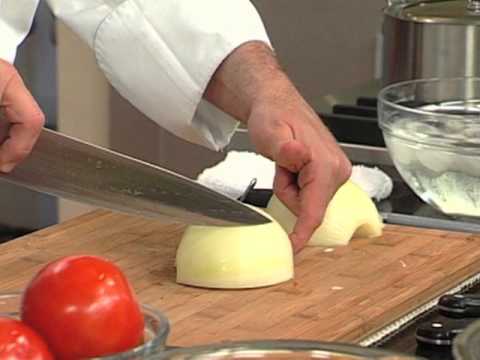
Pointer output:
461, 12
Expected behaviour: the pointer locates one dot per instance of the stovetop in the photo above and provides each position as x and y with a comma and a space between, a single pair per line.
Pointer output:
405, 341
355, 123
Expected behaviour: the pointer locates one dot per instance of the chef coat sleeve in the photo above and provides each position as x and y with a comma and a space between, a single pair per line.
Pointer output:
161, 54
16, 18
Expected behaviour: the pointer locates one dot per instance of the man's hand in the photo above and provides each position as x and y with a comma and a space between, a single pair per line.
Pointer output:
21, 119
310, 164
311, 167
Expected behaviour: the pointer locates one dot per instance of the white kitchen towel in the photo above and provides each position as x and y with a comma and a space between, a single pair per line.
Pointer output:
233, 175
373, 181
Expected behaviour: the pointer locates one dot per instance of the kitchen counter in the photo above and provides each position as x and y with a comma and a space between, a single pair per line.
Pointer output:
347, 295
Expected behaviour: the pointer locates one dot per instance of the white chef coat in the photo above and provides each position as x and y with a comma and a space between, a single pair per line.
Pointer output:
158, 54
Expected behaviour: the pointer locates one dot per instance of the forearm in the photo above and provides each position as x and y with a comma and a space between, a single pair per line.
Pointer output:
249, 74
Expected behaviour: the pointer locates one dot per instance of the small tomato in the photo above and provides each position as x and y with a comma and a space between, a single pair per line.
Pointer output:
83, 306
19, 342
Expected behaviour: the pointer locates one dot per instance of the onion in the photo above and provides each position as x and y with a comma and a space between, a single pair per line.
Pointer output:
350, 213
235, 257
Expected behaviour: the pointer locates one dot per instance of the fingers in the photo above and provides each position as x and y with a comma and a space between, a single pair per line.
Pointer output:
291, 157
24, 118
310, 164
318, 182
317, 189
286, 189
306, 184
300, 190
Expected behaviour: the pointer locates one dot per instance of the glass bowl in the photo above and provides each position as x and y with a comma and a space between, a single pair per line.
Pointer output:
277, 349
431, 128
157, 328
466, 346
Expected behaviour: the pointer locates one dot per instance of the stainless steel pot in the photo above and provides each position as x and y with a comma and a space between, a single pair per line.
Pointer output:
430, 39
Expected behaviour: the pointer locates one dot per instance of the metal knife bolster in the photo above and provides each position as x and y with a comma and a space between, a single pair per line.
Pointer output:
67, 167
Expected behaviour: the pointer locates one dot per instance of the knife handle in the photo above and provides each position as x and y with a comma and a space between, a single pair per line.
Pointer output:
248, 190
258, 197
459, 305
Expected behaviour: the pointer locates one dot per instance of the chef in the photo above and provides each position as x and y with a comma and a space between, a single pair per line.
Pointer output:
197, 68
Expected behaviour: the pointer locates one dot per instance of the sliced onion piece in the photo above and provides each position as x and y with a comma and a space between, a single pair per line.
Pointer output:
350, 213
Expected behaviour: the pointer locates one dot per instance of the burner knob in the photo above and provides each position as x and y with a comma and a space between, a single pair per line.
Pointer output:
440, 332
460, 305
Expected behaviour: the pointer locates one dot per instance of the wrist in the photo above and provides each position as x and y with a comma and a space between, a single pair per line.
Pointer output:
249, 76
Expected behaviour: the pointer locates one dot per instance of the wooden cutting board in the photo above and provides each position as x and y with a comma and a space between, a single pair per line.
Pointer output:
341, 295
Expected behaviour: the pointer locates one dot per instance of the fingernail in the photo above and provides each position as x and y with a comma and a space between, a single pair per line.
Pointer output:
6, 168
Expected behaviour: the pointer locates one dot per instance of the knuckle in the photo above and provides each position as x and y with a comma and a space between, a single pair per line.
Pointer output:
345, 170
36, 120
341, 167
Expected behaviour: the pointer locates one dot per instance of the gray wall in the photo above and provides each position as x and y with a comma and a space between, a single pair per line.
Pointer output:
326, 46
37, 62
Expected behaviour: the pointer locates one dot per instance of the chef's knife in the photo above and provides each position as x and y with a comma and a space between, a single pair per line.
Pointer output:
70, 168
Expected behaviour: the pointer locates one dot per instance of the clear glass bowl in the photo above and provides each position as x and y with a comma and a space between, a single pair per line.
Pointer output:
432, 131
278, 349
157, 328
466, 346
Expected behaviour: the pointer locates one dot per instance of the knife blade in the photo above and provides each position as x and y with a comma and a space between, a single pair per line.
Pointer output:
63, 166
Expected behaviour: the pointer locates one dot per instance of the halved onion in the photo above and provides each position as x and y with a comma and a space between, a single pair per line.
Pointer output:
350, 213
235, 257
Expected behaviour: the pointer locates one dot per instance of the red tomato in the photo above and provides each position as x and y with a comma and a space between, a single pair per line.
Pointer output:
83, 306
19, 342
